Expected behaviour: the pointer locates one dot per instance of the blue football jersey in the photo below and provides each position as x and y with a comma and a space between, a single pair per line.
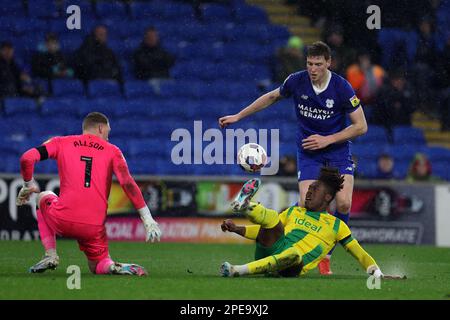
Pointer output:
324, 113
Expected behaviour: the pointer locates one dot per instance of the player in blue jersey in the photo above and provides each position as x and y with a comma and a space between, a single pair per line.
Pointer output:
322, 101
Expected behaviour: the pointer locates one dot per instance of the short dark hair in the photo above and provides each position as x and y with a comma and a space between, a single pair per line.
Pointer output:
332, 180
93, 119
317, 49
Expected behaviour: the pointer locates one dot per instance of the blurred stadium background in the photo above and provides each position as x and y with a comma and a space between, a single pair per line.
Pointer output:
218, 56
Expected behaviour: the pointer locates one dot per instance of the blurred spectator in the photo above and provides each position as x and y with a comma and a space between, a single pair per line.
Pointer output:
426, 49
288, 166
443, 85
95, 60
290, 59
366, 78
420, 170
49, 62
385, 167
342, 56
423, 72
395, 103
150, 59
14, 81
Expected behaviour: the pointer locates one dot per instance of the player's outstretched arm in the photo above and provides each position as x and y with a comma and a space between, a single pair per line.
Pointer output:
353, 247
259, 104
27, 162
357, 128
133, 192
249, 231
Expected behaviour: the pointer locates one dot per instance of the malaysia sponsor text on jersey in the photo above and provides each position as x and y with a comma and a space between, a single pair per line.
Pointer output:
315, 113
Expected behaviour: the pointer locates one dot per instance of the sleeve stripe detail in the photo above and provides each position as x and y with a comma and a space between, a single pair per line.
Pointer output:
337, 223
346, 240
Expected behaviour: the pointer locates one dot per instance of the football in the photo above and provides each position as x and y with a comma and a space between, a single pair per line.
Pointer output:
252, 157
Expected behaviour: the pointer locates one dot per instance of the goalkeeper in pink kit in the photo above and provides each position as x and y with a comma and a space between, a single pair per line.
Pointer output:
86, 163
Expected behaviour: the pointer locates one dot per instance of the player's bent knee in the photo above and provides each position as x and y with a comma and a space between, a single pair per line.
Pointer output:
43, 194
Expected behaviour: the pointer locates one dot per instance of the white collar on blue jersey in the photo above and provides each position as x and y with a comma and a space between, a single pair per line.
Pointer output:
319, 91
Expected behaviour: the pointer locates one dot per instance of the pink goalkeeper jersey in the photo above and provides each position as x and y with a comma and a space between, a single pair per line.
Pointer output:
85, 164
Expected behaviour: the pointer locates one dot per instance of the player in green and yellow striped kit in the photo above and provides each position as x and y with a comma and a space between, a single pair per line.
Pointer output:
295, 241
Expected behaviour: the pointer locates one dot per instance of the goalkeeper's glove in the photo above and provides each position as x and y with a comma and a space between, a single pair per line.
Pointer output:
25, 192
151, 226
375, 271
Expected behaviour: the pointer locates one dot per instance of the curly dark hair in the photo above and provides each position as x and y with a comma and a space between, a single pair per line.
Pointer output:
332, 180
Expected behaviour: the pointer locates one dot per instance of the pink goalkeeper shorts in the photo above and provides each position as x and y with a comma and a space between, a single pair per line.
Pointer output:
91, 239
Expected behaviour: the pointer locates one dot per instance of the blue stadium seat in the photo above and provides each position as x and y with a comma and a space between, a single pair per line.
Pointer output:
437, 154
19, 105
138, 89
279, 33
106, 105
49, 167
169, 89
14, 130
401, 169
43, 9
68, 88
365, 151
440, 170
152, 128
408, 135
25, 26
122, 128
144, 10
133, 109
246, 13
138, 166
404, 152
12, 9
216, 13
171, 10
104, 88
56, 106
193, 89
127, 70
10, 164
366, 168
121, 143
8, 146
161, 10
7, 24
374, 135
71, 41
47, 128
254, 33
148, 148
107, 9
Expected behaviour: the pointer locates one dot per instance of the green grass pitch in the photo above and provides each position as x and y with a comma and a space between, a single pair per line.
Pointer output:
190, 271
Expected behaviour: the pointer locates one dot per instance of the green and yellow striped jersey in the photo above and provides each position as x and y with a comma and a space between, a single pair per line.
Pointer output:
314, 234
